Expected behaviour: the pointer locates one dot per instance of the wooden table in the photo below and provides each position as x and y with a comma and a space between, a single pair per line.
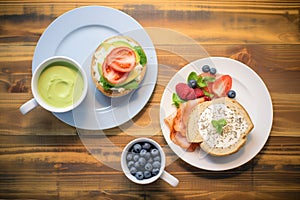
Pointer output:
43, 158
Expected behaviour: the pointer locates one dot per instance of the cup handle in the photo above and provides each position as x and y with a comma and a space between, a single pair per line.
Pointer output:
28, 106
172, 180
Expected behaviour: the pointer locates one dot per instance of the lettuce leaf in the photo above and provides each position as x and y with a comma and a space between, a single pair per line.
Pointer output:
143, 58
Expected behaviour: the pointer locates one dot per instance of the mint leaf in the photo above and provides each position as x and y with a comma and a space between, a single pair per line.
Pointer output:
214, 123
207, 94
192, 76
208, 79
177, 100
219, 124
222, 122
143, 58
201, 82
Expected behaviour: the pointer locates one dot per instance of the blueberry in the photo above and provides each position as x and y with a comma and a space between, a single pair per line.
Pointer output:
155, 171
137, 148
148, 167
136, 157
156, 164
147, 155
156, 158
137, 164
142, 161
147, 174
205, 68
146, 146
133, 170
150, 160
231, 94
139, 175
212, 71
129, 156
192, 83
130, 164
154, 152
143, 152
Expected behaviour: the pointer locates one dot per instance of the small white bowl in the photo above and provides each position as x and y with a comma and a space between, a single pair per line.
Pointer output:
162, 173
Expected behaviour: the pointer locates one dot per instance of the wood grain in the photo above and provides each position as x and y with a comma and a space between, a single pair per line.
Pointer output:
43, 158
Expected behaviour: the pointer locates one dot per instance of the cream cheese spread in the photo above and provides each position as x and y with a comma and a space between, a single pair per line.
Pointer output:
232, 131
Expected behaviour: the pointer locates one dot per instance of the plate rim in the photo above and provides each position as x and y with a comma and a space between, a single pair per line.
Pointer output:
174, 146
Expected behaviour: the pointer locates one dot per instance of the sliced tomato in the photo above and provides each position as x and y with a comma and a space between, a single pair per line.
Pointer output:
121, 59
222, 85
113, 76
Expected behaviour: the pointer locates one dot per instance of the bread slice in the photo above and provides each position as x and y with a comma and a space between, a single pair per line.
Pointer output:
115, 92
234, 133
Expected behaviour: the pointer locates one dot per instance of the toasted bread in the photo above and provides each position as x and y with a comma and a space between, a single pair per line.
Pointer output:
234, 133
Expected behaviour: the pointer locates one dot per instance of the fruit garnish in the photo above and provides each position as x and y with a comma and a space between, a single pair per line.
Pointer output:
205, 68
192, 83
219, 124
202, 81
185, 92
231, 94
222, 85
198, 92
208, 84
212, 71
208, 69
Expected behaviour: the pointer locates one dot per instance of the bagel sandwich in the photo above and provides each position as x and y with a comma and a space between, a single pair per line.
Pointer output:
118, 66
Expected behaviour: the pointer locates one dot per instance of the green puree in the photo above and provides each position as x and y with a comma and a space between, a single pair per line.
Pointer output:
60, 85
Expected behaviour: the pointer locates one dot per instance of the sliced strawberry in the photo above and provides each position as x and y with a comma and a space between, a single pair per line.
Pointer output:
185, 92
222, 85
206, 98
198, 92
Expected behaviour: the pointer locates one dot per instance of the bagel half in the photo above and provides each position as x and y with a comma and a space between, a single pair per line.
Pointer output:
136, 75
234, 134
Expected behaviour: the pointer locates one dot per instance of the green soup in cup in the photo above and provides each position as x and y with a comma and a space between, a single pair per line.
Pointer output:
59, 84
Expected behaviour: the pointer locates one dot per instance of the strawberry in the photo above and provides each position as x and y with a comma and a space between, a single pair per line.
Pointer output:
185, 92
198, 92
222, 85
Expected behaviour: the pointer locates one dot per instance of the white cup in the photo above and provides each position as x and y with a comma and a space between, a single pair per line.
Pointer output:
38, 100
173, 181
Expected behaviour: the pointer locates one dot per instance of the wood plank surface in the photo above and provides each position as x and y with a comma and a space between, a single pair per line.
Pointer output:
43, 158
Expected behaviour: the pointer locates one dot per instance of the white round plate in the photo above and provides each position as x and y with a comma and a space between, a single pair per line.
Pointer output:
251, 93
77, 34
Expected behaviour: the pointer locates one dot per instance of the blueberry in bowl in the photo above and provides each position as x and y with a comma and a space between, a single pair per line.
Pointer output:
143, 162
